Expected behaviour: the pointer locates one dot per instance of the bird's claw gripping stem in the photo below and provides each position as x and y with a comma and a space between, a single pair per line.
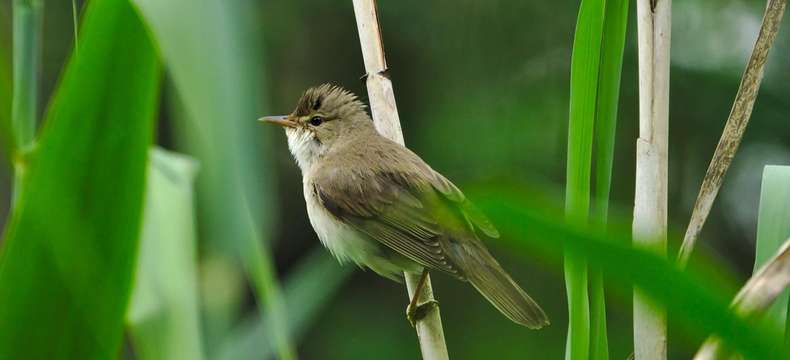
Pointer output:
417, 313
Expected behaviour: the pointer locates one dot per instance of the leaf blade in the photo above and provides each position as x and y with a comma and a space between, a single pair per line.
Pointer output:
66, 265
608, 96
163, 316
585, 61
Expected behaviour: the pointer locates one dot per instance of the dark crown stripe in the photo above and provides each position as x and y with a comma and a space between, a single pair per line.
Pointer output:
314, 98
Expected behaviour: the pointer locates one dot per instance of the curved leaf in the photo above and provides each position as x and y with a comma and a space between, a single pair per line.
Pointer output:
69, 249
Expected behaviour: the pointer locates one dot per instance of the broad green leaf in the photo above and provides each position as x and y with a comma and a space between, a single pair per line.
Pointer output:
163, 315
585, 62
70, 246
308, 288
773, 228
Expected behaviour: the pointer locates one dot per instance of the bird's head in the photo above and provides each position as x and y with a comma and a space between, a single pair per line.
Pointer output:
324, 116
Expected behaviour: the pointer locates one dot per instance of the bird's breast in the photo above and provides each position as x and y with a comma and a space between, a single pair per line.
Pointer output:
344, 242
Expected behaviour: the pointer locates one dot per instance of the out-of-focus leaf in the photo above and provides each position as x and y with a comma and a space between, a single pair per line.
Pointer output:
70, 247
28, 25
688, 295
163, 315
757, 294
773, 227
5, 101
307, 290
215, 69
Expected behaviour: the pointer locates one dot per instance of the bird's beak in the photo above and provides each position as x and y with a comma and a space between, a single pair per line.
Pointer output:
282, 120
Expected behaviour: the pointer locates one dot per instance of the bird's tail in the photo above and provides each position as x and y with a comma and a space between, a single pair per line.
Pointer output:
491, 280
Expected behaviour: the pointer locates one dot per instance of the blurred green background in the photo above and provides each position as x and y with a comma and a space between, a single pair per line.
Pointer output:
482, 91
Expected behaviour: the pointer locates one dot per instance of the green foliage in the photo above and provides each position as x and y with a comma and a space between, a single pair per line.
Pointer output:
608, 96
6, 140
27, 32
773, 228
497, 113
689, 295
163, 314
213, 67
584, 84
69, 249
28, 24
311, 285
595, 85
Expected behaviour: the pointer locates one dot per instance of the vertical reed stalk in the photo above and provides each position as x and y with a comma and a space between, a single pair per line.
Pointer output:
387, 122
650, 200
27, 29
258, 264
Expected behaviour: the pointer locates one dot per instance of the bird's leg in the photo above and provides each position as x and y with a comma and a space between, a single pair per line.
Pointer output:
415, 312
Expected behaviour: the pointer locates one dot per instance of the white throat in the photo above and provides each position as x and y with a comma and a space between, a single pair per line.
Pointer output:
305, 149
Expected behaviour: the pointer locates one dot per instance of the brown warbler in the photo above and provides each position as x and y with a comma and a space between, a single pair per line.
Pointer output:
375, 203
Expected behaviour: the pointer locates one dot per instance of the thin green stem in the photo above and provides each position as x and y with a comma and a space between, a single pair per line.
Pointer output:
75, 25
578, 341
599, 341
258, 264
27, 28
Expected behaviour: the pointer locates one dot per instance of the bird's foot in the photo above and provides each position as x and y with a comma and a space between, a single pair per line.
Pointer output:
417, 313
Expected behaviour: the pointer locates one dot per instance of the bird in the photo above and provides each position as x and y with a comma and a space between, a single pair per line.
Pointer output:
374, 202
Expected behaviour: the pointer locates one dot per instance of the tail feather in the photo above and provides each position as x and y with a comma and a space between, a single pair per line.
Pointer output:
488, 277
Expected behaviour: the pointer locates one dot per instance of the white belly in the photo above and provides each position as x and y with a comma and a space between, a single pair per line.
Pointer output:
347, 244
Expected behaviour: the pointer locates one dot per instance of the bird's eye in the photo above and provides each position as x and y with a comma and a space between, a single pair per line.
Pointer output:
316, 120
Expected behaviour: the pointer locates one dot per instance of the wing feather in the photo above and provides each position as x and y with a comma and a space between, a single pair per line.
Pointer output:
388, 212
475, 217
404, 204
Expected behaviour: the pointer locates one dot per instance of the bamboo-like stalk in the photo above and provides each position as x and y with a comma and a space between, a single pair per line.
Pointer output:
755, 297
736, 125
27, 30
387, 122
650, 200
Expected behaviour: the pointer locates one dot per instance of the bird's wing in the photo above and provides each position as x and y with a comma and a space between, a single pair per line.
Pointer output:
402, 203
469, 210
393, 207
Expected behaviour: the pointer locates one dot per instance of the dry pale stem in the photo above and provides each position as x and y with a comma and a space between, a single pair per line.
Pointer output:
735, 127
755, 297
650, 200
385, 117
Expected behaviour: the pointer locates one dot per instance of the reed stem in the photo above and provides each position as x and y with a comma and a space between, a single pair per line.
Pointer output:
385, 117
650, 200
